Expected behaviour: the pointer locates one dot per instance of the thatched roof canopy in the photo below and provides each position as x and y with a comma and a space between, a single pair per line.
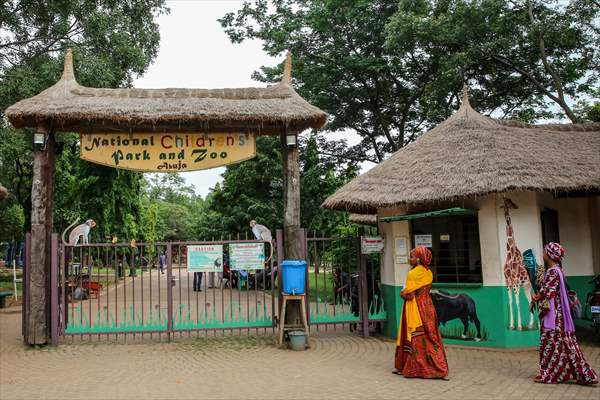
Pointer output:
472, 155
364, 219
68, 106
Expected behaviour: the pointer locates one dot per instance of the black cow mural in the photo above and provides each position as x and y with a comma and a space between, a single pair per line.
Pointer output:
452, 306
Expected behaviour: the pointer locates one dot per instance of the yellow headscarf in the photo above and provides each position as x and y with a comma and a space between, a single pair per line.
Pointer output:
417, 278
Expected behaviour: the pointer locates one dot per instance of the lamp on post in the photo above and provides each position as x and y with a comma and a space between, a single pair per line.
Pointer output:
39, 140
291, 140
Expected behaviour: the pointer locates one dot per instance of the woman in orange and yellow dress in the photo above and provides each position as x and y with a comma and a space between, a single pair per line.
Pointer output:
419, 349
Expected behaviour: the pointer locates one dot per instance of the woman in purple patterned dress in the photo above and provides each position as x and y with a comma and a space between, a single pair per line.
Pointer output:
561, 359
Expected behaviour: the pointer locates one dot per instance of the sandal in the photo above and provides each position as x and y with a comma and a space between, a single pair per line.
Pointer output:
396, 372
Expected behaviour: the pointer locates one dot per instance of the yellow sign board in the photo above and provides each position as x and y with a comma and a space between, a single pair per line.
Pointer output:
167, 152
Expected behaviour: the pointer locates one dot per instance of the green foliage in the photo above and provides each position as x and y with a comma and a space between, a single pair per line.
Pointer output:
519, 56
250, 190
340, 64
593, 113
391, 69
254, 190
112, 42
15, 175
11, 227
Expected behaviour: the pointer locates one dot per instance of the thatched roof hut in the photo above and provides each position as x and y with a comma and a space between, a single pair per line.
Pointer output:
364, 219
473, 155
3, 192
68, 106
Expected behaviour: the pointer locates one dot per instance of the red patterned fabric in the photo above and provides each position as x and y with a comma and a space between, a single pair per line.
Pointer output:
561, 359
424, 255
555, 251
424, 356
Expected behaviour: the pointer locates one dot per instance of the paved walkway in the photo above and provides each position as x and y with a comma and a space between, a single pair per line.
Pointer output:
337, 366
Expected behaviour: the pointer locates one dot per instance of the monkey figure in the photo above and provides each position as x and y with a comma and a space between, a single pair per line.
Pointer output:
77, 232
261, 232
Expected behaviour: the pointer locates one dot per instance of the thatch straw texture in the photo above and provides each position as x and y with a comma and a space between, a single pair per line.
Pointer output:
364, 219
472, 155
3, 192
68, 106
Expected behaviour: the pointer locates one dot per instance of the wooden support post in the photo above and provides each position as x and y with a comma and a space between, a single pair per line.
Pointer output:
363, 286
293, 240
42, 189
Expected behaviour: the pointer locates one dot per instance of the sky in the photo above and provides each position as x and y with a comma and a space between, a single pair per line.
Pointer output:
195, 52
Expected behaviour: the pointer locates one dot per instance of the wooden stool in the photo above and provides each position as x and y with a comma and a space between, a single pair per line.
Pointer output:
282, 326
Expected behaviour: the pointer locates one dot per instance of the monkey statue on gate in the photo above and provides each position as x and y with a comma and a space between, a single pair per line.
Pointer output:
261, 232
81, 230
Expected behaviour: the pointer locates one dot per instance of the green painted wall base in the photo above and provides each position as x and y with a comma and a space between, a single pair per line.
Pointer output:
492, 310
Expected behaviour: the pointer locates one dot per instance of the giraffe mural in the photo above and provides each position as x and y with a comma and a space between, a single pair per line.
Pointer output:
515, 273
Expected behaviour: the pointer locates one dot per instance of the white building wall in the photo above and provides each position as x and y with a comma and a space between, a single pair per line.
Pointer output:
491, 256
594, 206
575, 220
392, 272
577, 231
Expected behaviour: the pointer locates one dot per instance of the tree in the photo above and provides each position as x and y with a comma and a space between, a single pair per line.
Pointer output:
170, 209
340, 64
250, 190
390, 70
253, 190
112, 42
320, 177
531, 52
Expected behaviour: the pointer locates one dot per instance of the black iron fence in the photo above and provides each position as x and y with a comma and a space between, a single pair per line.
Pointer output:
103, 290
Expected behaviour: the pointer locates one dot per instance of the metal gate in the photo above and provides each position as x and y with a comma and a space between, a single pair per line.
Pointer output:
104, 290
126, 289
343, 285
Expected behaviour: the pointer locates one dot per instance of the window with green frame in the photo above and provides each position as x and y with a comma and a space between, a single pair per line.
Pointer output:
454, 242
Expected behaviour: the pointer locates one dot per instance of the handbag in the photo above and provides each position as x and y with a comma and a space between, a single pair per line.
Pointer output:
575, 305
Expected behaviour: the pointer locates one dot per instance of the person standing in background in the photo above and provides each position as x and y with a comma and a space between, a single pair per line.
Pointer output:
162, 262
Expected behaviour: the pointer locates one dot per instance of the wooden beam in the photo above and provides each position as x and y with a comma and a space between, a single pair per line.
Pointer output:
293, 238
42, 189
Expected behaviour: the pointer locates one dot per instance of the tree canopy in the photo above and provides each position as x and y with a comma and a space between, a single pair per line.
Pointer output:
112, 43
391, 69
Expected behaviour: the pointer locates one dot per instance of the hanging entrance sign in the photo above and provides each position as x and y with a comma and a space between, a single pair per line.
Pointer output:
167, 152
371, 244
205, 258
247, 256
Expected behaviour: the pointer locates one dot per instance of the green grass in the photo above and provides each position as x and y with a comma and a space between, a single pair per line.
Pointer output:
318, 291
6, 281
456, 332
110, 271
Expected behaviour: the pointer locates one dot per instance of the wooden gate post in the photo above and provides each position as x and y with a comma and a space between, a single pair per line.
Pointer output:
363, 286
292, 234
293, 237
42, 189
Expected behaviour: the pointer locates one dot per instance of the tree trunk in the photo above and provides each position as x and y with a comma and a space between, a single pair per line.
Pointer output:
293, 240
41, 229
